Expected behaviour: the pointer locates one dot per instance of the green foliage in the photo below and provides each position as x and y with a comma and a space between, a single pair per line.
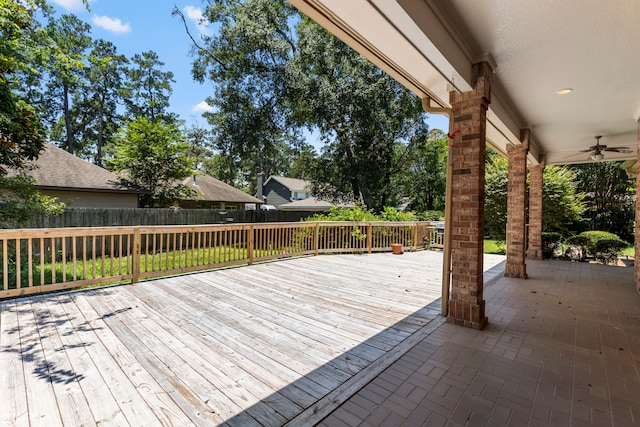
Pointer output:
356, 213
423, 179
154, 156
360, 213
147, 89
276, 73
495, 204
609, 197
550, 243
393, 214
498, 247
21, 137
248, 61
603, 245
562, 202
370, 124
431, 216
20, 202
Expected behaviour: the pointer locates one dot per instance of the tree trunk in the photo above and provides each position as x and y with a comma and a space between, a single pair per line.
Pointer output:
67, 119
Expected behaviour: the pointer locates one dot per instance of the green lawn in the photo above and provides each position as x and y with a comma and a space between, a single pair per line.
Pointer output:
494, 247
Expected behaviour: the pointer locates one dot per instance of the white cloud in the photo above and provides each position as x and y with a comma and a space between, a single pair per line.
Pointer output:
194, 14
70, 4
202, 107
111, 24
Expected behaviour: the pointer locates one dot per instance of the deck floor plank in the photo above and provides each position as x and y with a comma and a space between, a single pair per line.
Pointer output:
236, 391
12, 377
264, 345
41, 398
224, 339
167, 412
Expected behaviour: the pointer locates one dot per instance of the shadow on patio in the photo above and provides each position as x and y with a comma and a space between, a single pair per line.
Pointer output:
561, 348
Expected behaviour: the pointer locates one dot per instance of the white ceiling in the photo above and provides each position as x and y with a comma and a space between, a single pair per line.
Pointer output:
537, 47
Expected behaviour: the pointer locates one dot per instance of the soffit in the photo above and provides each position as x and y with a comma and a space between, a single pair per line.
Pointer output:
538, 47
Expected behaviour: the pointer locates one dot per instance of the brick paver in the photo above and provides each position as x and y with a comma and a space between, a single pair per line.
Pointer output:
561, 348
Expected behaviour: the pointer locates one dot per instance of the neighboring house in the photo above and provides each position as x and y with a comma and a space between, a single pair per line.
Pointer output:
78, 183
279, 190
215, 194
309, 204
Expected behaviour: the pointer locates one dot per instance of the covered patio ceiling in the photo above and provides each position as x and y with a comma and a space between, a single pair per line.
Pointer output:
537, 48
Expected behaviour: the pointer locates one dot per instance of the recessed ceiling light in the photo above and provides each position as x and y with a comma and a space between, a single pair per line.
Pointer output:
564, 91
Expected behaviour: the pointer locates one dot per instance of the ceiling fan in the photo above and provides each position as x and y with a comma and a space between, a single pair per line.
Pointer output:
598, 149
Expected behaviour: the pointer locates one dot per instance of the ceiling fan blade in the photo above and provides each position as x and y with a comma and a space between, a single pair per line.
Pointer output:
624, 150
575, 154
616, 148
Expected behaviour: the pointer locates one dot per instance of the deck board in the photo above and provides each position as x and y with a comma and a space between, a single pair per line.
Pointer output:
264, 345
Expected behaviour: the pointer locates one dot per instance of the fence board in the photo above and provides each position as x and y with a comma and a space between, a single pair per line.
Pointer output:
88, 217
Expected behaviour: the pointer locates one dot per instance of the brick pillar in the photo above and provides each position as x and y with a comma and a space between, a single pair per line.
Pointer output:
636, 264
516, 207
536, 173
466, 305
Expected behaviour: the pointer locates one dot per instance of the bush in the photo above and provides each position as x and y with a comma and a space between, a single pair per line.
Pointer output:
550, 243
431, 216
601, 245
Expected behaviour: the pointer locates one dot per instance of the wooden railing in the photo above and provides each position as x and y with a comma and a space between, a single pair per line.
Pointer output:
41, 260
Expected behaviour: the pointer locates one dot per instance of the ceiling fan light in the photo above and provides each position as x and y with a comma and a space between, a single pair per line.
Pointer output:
597, 156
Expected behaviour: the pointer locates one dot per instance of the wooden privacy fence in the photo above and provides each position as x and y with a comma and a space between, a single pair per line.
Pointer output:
40, 260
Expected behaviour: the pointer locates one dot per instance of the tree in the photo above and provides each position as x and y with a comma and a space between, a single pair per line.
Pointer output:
104, 74
562, 204
147, 89
247, 61
276, 73
609, 197
72, 39
21, 136
152, 154
369, 122
424, 179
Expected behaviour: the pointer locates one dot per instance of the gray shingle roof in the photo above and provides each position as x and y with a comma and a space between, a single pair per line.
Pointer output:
293, 184
214, 190
57, 169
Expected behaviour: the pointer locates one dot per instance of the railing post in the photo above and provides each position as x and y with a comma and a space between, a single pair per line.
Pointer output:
369, 237
135, 256
316, 238
250, 245
415, 236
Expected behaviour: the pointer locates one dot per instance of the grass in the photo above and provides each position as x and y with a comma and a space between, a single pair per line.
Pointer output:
494, 247
629, 251
116, 266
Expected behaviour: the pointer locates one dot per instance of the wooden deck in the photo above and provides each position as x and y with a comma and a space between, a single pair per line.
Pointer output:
266, 345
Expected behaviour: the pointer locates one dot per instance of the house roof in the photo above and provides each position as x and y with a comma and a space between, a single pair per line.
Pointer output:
214, 190
57, 169
310, 204
293, 184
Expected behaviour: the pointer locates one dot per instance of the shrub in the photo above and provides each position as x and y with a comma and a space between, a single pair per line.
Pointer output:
550, 243
601, 245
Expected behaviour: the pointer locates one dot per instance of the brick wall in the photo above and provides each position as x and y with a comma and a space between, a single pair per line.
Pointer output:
536, 173
466, 305
516, 208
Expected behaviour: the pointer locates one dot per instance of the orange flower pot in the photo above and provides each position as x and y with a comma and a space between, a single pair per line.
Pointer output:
396, 248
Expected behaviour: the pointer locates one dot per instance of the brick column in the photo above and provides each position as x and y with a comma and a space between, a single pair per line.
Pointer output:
536, 173
466, 305
636, 264
516, 207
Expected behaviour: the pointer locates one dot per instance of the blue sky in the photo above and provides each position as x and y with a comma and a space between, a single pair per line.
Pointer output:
136, 26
